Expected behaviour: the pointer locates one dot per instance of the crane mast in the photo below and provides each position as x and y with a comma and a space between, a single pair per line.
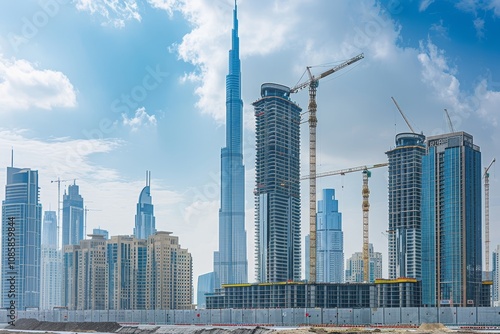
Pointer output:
486, 176
313, 121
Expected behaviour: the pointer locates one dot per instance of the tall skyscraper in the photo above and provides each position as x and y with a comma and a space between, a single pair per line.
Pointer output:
451, 221
51, 268
119, 272
231, 265
405, 187
277, 191
21, 239
91, 274
72, 216
354, 266
329, 240
145, 222
496, 277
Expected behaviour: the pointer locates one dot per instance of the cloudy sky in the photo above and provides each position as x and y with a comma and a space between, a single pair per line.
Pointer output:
102, 90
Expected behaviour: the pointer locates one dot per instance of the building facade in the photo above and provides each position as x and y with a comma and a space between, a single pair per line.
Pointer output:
206, 285
405, 187
496, 277
277, 190
451, 221
355, 270
231, 264
169, 274
119, 273
145, 221
70, 276
72, 216
51, 266
329, 240
49, 229
91, 276
21, 240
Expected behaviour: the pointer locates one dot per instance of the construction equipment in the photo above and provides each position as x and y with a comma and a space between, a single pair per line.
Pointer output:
365, 206
58, 181
312, 83
486, 177
85, 220
402, 114
450, 124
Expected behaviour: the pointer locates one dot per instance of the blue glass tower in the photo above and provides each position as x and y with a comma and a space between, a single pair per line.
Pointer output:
72, 217
277, 191
49, 230
451, 221
145, 224
230, 265
329, 240
21, 240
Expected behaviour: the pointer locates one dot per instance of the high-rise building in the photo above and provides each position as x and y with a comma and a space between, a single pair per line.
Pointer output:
70, 276
21, 240
451, 221
119, 273
496, 277
231, 265
72, 216
91, 275
329, 240
277, 190
145, 224
102, 232
206, 284
405, 187
169, 274
51, 267
49, 229
354, 272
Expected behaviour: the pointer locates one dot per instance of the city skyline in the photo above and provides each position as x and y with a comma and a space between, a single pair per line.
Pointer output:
179, 58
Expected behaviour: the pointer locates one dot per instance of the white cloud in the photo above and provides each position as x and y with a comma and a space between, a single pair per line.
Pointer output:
114, 12
487, 103
495, 6
140, 119
479, 26
23, 86
424, 4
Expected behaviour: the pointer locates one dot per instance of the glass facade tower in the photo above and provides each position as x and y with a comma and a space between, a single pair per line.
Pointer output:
145, 224
277, 191
405, 186
230, 262
329, 240
21, 240
451, 221
72, 216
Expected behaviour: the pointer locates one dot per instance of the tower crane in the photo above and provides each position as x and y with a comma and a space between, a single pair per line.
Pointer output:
365, 207
402, 114
58, 181
85, 220
486, 177
450, 124
312, 83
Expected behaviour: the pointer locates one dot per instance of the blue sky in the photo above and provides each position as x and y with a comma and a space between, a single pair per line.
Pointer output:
100, 91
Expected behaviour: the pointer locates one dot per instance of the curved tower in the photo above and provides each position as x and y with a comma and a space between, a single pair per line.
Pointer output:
230, 262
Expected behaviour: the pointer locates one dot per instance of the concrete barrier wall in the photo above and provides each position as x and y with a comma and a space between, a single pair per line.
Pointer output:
413, 316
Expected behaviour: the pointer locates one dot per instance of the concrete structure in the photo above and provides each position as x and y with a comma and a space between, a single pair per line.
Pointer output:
329, 240
405, 186
206, 285
230, 262
451, 221
169, 274
91, 277
277, 190
145, 224
400, 292
72, 216
21, 240
354, 266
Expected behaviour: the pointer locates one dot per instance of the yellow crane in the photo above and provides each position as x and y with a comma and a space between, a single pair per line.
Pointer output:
486, 177
312, 83
366, 208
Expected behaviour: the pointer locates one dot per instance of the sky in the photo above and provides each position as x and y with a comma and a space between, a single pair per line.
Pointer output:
99, 91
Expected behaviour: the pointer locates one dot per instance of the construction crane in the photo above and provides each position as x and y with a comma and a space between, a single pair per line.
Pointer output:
486, 177
450, 124
402, 114
58, 181
312, 83
85, 220
365, 207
